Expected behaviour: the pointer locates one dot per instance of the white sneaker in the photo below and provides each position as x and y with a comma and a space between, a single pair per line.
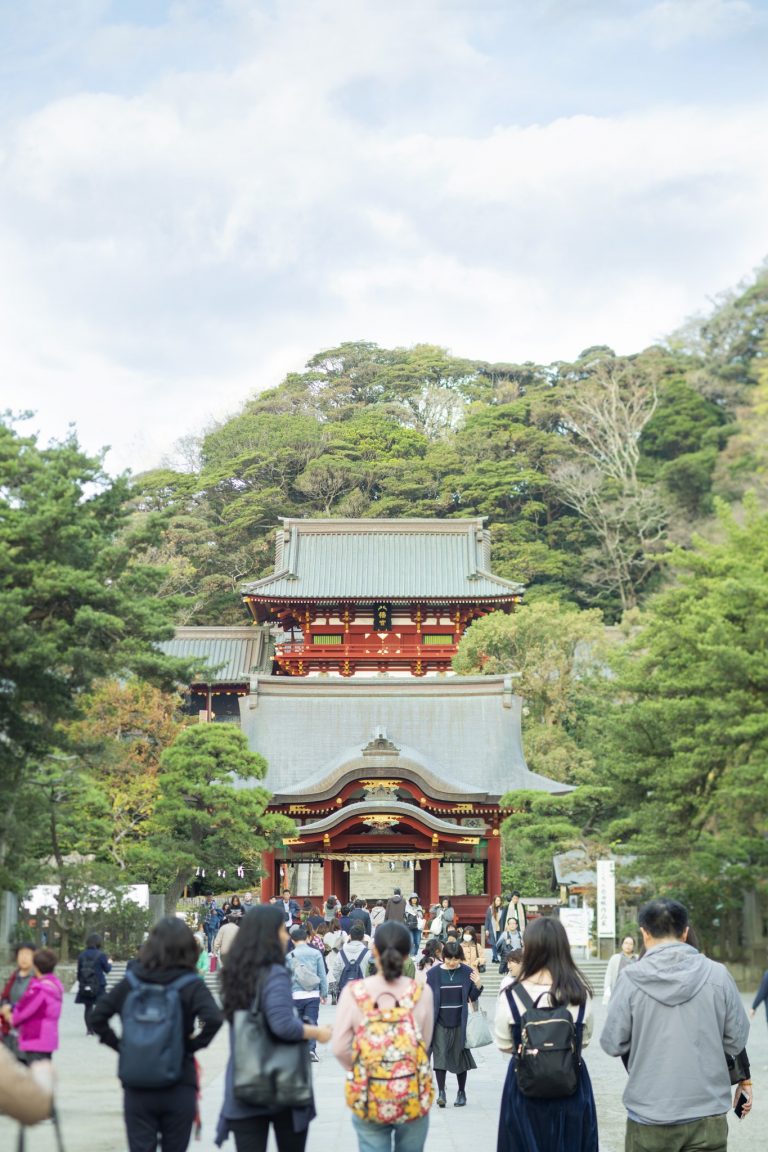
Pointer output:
313, 1056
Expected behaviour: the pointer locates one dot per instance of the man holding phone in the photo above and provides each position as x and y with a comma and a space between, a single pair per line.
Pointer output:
675, 1015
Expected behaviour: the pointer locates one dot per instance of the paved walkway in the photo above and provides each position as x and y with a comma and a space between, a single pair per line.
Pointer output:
90, 1100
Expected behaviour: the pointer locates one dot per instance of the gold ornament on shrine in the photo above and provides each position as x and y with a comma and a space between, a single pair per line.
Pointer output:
380, 821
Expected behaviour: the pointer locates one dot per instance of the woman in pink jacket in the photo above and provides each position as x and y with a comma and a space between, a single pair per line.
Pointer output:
36, 1016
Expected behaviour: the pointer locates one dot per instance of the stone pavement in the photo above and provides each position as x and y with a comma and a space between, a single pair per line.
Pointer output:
90, 1100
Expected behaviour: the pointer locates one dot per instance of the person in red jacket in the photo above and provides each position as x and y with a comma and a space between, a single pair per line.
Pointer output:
36, 1015
16, 986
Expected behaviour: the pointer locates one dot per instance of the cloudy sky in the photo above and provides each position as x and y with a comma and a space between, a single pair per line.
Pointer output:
197, 195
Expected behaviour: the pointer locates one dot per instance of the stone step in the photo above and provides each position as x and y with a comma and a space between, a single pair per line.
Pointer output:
118, 972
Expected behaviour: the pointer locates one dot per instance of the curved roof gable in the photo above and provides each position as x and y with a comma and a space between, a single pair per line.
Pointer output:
406, 560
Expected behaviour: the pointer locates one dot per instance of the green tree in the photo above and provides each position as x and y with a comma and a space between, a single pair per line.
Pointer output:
558, 655
687, 741
77, 602
123, 729
210, 812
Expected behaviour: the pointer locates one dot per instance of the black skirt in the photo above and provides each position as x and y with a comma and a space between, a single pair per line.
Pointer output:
448, 1051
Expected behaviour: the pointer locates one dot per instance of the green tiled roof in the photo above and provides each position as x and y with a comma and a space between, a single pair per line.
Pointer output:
384, 560
232, 654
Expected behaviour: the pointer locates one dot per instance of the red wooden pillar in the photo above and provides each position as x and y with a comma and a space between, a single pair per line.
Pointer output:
340, 887
327, 879
268, 880
434, 882
494, 864
421, 884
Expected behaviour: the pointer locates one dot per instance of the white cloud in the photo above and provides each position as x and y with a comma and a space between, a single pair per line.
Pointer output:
674, 21
169, 247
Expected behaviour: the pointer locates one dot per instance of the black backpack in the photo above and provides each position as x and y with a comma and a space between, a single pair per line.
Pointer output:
352, 969
88, 976
152, 1047
548, 1047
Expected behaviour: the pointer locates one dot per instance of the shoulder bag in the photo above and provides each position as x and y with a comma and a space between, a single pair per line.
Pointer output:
268, 1072
478, 1029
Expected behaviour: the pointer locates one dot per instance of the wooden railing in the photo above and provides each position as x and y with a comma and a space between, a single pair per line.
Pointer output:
362, 650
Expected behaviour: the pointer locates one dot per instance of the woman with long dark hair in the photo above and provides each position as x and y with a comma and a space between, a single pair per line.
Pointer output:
389, 987
169, 954
256, 969
454, 986
550, 977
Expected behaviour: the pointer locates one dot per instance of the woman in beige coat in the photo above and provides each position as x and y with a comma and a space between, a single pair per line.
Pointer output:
474, 953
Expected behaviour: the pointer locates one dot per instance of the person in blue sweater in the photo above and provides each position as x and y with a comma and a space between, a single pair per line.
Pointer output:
454, 985
256, 963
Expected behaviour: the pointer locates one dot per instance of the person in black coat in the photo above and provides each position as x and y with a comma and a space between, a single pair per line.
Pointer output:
359, 912
169, 1113
92, 969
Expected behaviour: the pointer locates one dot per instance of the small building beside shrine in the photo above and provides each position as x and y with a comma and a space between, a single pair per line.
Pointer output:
392, 767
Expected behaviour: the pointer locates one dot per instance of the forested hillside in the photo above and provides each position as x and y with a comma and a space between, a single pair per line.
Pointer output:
585, 470
614, 487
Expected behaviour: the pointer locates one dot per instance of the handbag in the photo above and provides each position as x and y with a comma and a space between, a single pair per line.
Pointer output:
268, 1072
478, 1030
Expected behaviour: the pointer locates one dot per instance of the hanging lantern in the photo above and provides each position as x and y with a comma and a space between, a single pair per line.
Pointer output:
417, 866
346, 866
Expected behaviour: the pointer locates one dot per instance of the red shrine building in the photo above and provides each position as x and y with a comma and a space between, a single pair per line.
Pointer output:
392, 767
365, 597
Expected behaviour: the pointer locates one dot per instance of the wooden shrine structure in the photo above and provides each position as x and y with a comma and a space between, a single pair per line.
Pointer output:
363, 597
379, 753
374, 747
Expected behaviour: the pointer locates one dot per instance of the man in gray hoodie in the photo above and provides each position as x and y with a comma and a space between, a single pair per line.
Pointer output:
673, 1018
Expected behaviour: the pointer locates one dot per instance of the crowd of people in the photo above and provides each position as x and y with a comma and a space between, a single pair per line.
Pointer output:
407, 982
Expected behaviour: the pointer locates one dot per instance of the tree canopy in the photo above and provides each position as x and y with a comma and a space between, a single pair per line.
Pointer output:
78, 601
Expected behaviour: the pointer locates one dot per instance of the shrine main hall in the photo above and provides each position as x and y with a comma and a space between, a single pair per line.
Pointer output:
392, 767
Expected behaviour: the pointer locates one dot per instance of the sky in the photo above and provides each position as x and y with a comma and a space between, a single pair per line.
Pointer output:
198, 195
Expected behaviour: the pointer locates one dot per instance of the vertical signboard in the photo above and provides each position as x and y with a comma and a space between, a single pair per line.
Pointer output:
606, 899
382, 617
576, 924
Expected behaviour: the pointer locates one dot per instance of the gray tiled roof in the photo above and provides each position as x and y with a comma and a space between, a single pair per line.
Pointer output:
232, 654
460, 735
388, 560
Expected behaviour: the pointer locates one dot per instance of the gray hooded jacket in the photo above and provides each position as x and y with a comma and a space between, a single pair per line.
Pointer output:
676, 1014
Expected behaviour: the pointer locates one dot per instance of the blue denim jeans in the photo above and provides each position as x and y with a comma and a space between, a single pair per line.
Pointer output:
308, 1010
409, 1137
415, 940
